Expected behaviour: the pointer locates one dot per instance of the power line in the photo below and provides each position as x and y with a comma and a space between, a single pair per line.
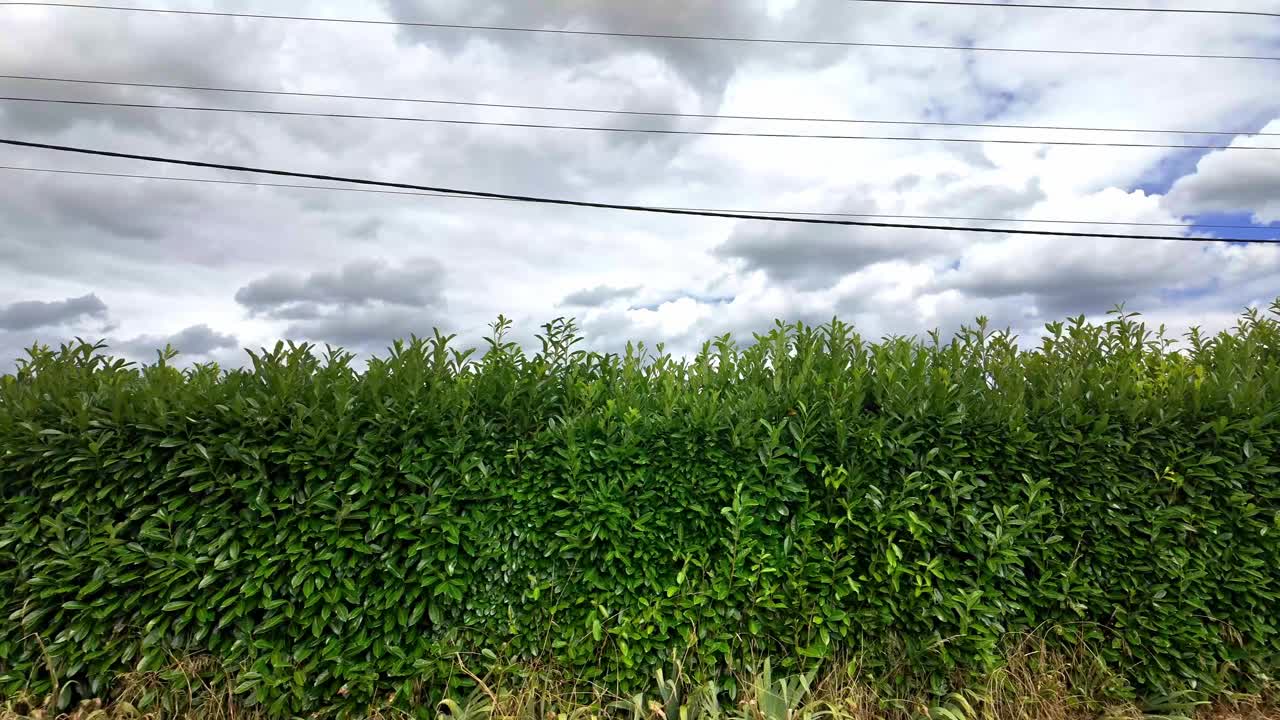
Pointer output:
214, 181
698, 209
658, 36
644, 113
1045, 6
648, 131
534, 199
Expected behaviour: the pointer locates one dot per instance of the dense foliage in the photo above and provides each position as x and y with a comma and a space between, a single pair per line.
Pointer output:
337, 534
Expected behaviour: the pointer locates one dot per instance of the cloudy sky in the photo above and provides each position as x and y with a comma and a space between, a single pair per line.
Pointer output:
216, 268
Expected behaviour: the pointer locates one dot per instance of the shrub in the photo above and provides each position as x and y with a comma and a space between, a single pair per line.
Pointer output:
333, 535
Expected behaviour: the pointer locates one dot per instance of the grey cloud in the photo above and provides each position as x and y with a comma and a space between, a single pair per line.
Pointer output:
706, 65
101, 210
194, 340
1060, 277
1076, 289
599, 295
416, 284
196, 54
100, 227
200, 340
1079, 276
989, 200
33, 314
709, 68
1079, 291
1231, 181
815, 257
298, 311
367, 229
361, 306
366, 328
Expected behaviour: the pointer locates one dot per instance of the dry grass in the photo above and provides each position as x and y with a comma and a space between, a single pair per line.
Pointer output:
1035, 683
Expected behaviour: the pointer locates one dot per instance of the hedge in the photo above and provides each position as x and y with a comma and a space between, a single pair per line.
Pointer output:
334, 532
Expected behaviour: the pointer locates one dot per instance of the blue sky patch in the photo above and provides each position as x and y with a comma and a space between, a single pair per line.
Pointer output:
703, 299
1255, 232
1157, 179
1196, 292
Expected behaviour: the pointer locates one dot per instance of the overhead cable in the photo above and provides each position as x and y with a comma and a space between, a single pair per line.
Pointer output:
657, 36
1049, 6
642, 113
565, 202
647, 131
337, 188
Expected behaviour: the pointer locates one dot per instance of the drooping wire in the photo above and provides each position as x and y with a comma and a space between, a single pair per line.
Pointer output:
1049, 6
642, 113
657, 36
646, 131
564, 202
335, 188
